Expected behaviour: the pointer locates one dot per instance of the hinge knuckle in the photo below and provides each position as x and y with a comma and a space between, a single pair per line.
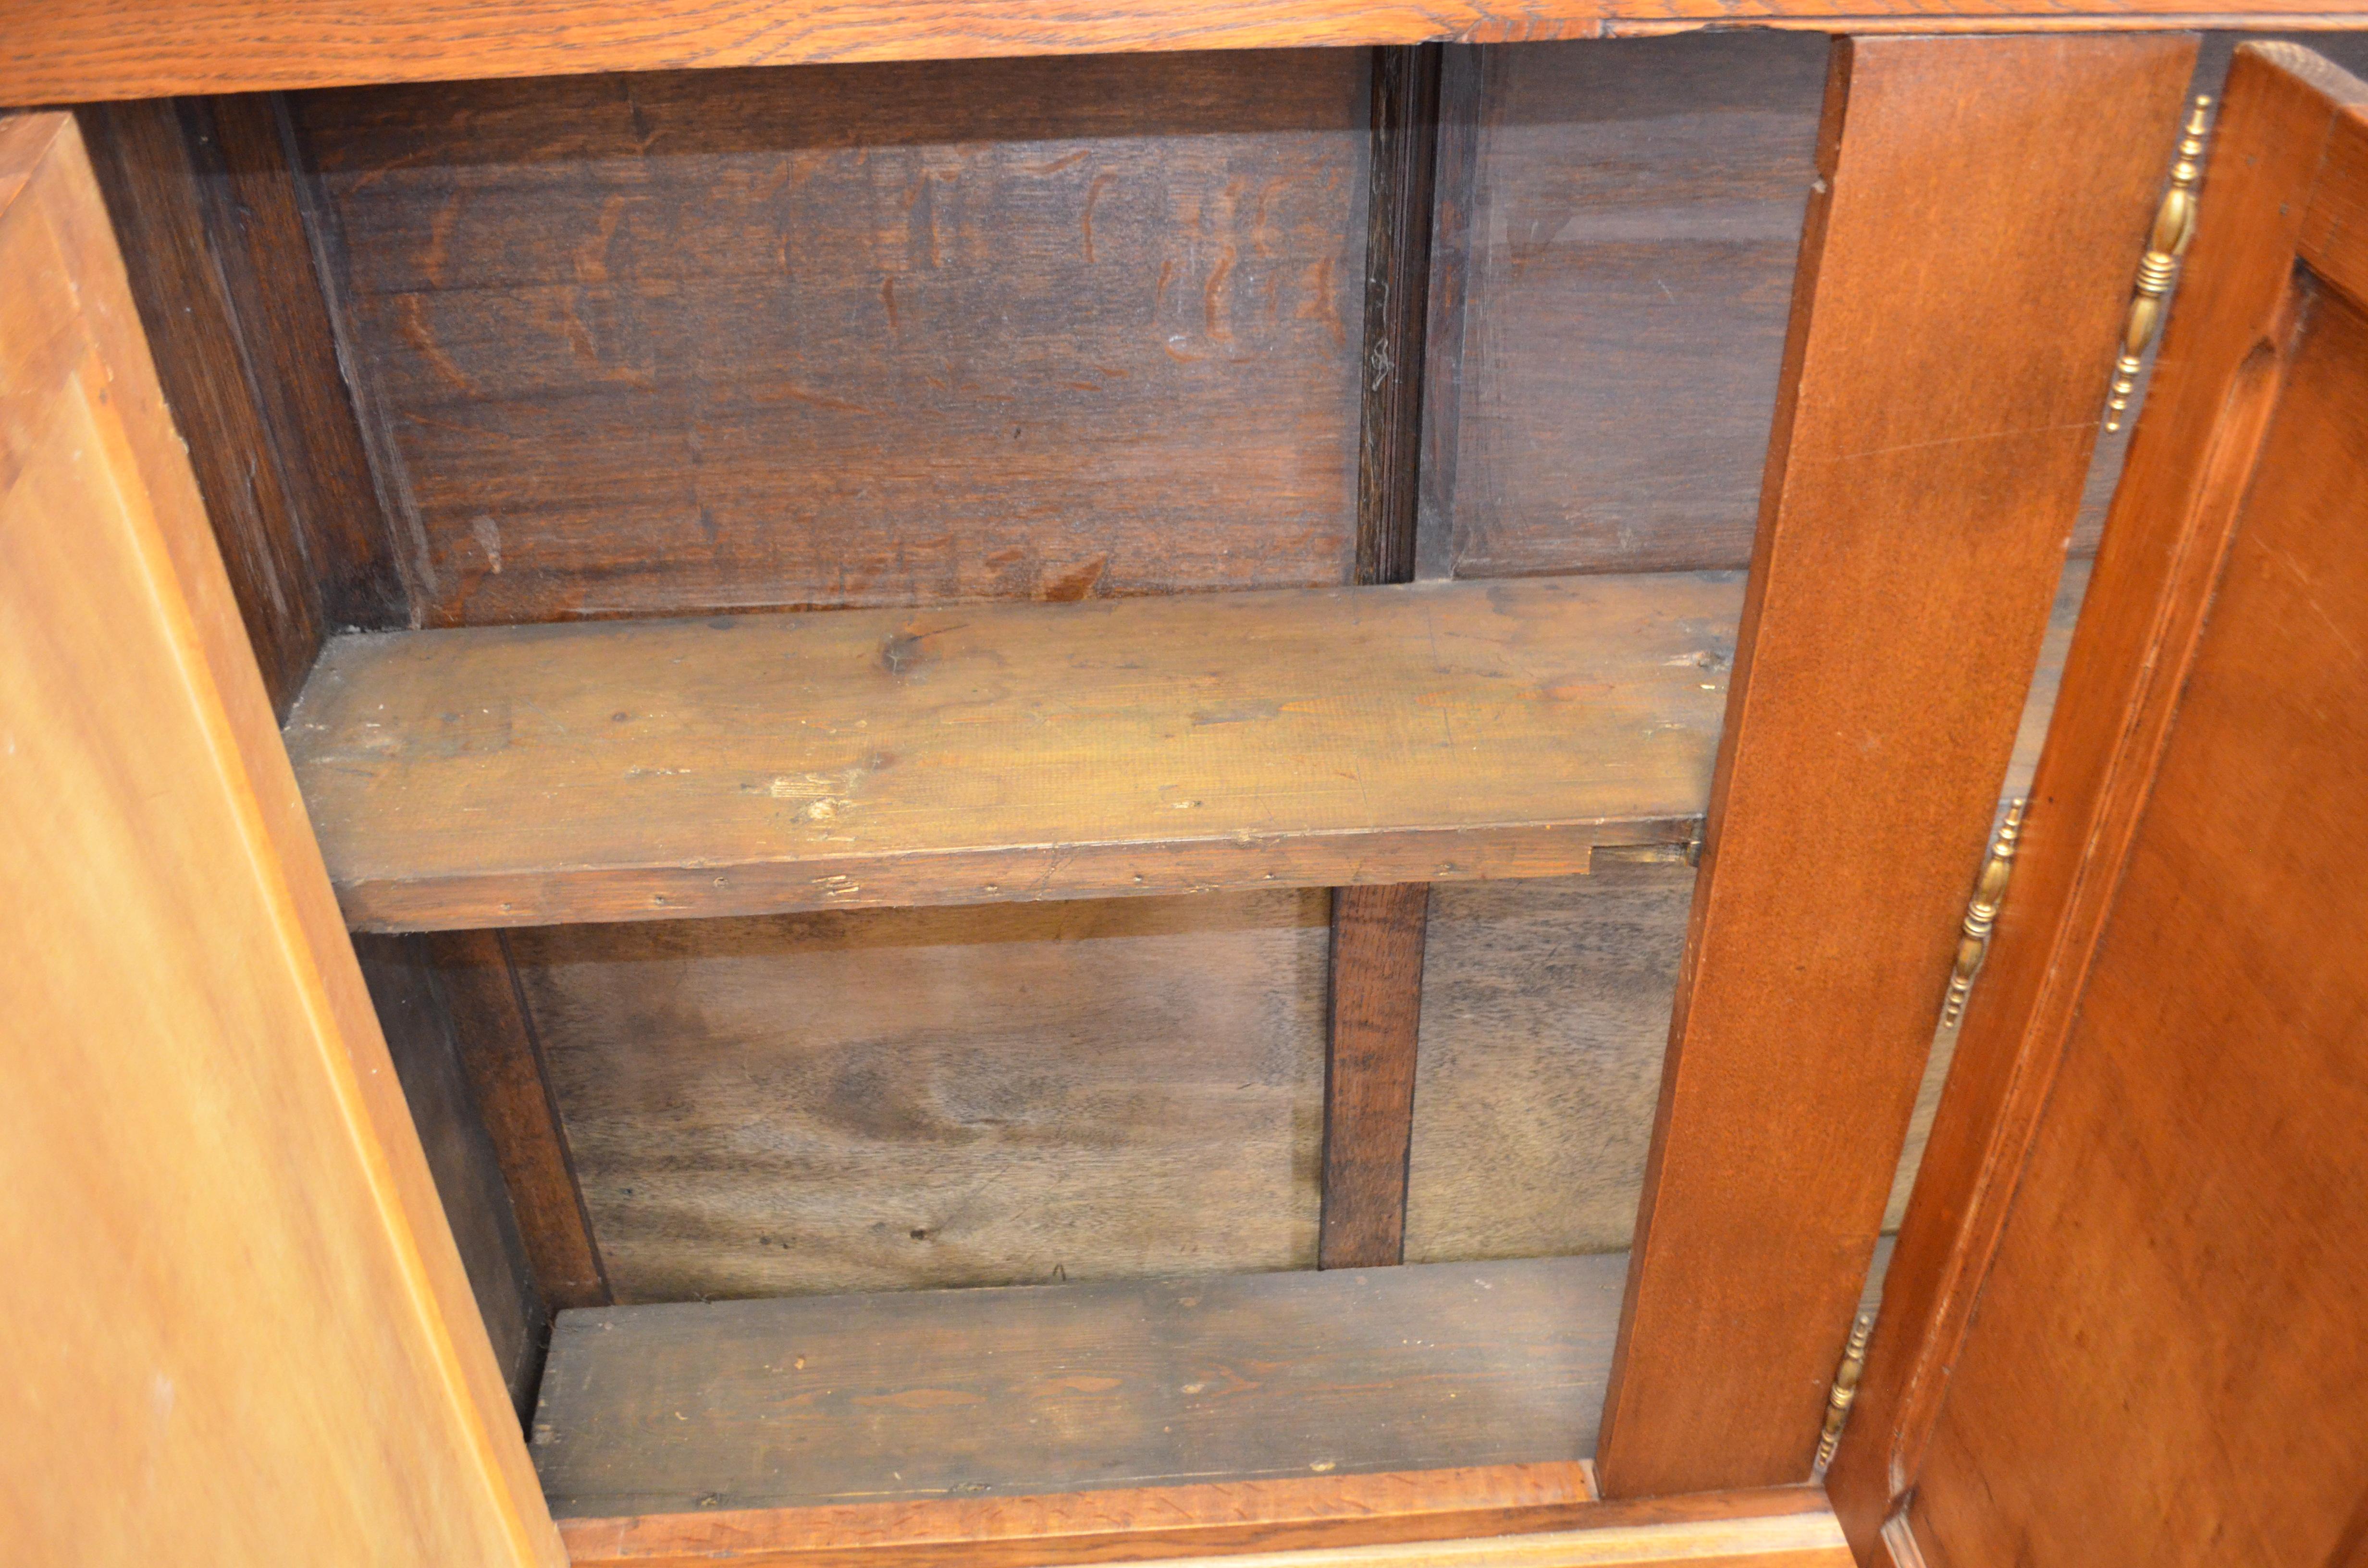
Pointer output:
2174, 227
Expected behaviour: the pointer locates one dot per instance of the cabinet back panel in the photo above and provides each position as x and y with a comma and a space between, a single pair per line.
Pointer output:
1635, 212
816, 336
1545, 1015
1012, 1094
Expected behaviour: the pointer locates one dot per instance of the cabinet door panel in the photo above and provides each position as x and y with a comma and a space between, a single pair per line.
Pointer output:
2126, 1326
238, 1327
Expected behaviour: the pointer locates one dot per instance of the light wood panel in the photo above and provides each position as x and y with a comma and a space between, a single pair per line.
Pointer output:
867, 336
1119, 1523
507, 776
90, 49
1503, 1514
869, 1100
1963, 275
2116, 770
1010, 1392
250, 1335
2183, 1259
1790, 1541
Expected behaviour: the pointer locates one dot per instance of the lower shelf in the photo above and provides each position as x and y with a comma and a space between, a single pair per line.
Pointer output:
975, 1394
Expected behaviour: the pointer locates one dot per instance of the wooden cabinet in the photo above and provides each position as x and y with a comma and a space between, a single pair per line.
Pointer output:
1055, 809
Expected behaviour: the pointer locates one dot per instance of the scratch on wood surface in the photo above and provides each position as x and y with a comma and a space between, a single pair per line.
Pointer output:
1093, 194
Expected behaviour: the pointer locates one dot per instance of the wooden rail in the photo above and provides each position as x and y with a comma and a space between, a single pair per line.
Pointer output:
81, 51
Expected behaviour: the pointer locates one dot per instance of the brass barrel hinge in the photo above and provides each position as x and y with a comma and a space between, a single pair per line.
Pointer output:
1845, 1389
2174, 227
1981, 916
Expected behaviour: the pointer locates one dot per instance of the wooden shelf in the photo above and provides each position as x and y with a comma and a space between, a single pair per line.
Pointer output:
626, 770
914, 1395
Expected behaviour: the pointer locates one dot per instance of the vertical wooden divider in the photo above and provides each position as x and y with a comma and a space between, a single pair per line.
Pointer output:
1966, 260
1377, 940
503, 1061
1377, 931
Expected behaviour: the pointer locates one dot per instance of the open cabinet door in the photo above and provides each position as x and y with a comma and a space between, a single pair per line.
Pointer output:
2127, 1323
237, 1329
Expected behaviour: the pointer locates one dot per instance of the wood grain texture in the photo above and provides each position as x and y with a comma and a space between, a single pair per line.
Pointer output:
254, 203
1961, 280
1454, 194
2184, 1256
1377, 964
2038, 709
1545, 1012
1307, 1519
997, 753
461, 1157
877, 335
203, 195
1056, 1388
1636, 214
156, 197
2195, 452
503, 1057
1791, 1542
1117, 1524
888, 1099
226, 1241
92, 48
1397, 291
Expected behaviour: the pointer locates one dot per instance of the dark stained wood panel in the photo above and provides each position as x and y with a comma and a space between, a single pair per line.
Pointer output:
1634, 212
499, 1050
897, 1098
1377, 1007
202, 194
461, 1155
255, 200
1049, 1389
1984, 203
991, 753
156, 198
1545, 1012
1397, 290
671, 344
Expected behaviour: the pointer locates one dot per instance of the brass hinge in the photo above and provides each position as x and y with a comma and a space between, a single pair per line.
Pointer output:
1981, 916
2174, 226
1845, 1389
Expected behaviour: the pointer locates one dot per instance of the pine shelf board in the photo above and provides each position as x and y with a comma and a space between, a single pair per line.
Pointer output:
906, 1396
625, 770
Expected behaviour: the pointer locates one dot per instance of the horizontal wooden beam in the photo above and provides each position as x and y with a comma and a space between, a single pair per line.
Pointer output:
1524, 1514
81, 51
628, 771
